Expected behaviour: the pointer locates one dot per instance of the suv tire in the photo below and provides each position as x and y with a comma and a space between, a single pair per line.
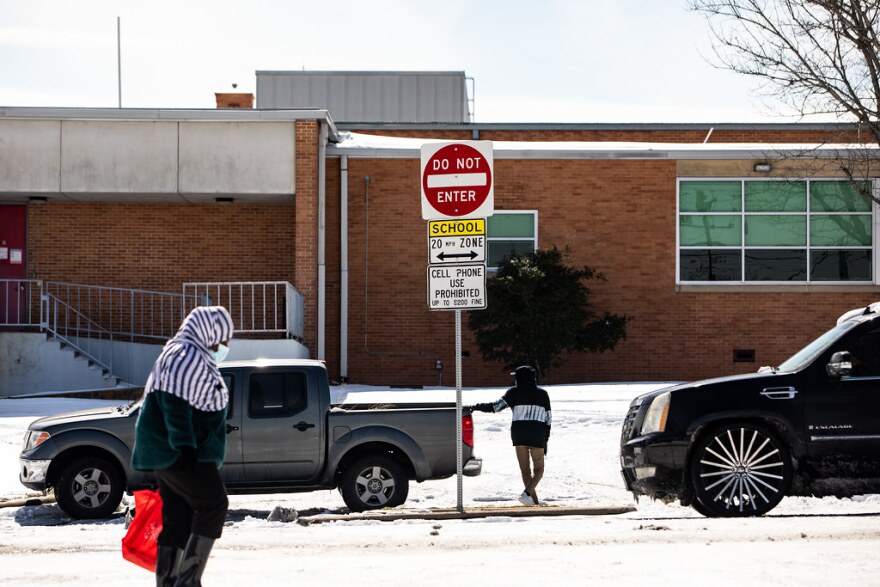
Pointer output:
739, 469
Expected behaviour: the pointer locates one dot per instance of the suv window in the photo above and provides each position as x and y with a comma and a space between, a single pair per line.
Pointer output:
865, 353
276, 394
805, 356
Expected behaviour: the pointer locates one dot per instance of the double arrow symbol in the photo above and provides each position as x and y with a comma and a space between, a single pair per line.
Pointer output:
444, 256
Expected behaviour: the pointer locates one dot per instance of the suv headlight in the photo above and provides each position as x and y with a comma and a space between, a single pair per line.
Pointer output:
34, 438
655, 419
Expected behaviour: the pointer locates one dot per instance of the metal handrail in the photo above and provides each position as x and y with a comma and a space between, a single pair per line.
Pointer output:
75, 329
127, 313
90, 318
255, 306
20, 302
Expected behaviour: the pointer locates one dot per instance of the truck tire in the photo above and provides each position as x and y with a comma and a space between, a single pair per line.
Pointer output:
739, 470
89, 487
373, 482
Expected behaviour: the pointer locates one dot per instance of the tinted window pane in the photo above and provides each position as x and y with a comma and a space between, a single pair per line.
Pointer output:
710, 265
840, 230
722, 231
838, 196
840, 265
776, 196
276, 394
782, 231
776, 265
498, 250
507, 225
710, 196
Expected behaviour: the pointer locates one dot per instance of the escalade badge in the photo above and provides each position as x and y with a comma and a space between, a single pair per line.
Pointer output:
831, 427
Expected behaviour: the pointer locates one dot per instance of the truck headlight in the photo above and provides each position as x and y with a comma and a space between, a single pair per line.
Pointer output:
34, 438
655, 419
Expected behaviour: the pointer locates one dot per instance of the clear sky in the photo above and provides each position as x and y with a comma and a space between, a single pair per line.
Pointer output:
585, 61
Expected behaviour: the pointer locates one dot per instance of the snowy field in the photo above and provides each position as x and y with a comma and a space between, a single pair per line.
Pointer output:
803, 541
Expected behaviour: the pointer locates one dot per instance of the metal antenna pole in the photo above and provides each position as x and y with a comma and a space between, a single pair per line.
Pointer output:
119, 57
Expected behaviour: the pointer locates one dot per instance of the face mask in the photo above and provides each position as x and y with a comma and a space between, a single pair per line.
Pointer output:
220, 353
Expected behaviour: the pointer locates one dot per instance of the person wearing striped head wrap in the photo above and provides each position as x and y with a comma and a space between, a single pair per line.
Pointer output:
529, 427
180, 435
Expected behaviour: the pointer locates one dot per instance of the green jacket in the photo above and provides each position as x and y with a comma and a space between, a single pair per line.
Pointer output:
167, 423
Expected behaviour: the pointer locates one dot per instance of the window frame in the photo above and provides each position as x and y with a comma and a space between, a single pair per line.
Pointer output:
532, 239
743, 214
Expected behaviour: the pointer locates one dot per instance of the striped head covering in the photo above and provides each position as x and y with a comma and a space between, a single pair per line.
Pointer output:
185, 367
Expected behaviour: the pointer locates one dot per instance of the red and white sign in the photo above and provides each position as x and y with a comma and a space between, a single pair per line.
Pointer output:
457, 180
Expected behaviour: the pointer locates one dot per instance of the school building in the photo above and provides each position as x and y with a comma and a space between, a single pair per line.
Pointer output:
729, 245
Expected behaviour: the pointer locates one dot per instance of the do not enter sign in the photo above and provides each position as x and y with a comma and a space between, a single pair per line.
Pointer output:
457, 180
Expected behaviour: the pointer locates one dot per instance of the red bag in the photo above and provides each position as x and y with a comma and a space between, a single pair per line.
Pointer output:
139, 543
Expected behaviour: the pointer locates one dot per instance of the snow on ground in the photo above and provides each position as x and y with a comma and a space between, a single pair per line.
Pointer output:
804, 541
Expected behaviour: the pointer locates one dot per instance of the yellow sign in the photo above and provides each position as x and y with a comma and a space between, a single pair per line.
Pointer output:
471, 227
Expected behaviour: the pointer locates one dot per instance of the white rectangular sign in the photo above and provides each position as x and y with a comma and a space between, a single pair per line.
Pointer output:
457, 241
457, 287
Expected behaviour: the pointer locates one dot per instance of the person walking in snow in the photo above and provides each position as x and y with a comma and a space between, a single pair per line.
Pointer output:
529, 428
180, 435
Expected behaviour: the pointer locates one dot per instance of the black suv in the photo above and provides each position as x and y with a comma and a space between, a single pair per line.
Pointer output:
735, 446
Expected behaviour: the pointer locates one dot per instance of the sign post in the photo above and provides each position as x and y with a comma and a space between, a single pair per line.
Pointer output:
457, 196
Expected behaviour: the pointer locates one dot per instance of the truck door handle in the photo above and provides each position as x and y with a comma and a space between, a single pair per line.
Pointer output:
779, 392
231, 428
302, 425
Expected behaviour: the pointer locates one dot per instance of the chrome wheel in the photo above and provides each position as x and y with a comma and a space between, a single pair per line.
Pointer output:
740, 470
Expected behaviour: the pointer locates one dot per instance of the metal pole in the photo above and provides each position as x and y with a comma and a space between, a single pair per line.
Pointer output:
458, 430
119, 57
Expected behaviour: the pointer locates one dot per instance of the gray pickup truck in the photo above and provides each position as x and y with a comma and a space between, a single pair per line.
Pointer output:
283, 435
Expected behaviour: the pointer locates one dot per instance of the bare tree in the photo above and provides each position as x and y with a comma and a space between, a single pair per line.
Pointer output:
821, 57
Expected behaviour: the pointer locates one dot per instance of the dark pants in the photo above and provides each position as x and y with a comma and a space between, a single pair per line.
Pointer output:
192, 503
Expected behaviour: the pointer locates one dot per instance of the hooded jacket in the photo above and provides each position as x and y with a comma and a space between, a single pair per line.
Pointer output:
185, 398
532, 417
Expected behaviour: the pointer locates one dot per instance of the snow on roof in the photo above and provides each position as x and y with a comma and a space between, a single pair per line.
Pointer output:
377, 146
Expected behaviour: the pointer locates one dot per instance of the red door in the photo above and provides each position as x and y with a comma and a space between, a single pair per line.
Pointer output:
13, 289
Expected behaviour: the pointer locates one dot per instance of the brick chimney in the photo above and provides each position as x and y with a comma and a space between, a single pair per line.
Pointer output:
234, 99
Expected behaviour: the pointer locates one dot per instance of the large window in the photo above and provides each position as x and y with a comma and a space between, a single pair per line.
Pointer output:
509, 234
784, 231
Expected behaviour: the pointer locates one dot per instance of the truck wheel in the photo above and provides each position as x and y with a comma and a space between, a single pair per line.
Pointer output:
373, 482
739, 470
89, 487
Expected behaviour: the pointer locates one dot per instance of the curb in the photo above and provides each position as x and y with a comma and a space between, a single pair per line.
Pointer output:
27, 501
454, 514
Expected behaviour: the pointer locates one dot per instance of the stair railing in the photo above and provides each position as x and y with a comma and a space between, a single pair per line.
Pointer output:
76, 330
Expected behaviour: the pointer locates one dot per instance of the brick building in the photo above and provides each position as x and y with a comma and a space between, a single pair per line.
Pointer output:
730, 247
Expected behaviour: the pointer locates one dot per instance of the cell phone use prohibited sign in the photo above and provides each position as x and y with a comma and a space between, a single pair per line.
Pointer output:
457, 287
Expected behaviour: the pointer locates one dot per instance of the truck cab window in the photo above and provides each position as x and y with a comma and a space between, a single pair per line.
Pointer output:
276, 394
229, 380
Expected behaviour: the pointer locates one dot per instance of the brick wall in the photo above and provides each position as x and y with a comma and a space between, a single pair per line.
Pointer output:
306, 248
159, 246
617, 217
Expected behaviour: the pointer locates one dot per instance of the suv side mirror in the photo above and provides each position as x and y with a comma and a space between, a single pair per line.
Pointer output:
840, 364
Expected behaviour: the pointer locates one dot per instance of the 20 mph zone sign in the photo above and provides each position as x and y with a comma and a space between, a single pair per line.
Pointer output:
457, 180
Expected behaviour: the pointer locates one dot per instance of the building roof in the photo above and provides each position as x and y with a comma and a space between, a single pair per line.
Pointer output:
375, 146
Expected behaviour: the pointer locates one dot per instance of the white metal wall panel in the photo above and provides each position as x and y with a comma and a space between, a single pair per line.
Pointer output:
368, 96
